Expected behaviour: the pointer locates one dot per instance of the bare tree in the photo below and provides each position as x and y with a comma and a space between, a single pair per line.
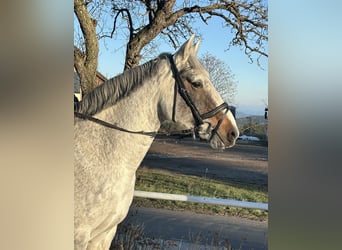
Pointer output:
173, 20
221, 76
86, 63
246, 18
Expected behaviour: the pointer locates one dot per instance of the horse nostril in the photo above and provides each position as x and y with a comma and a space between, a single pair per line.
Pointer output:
233, 134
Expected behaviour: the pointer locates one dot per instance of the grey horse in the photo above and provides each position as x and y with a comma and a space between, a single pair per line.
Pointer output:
115, 125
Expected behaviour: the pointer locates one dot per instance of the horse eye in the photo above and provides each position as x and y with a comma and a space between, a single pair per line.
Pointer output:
197, 84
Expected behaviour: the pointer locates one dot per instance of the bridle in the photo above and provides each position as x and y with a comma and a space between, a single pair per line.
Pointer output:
180, 88
199, 118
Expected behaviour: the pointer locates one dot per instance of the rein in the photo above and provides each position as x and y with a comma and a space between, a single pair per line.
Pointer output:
113, 126
180, 88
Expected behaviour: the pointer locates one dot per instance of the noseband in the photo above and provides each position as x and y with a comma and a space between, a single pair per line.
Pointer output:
199, 118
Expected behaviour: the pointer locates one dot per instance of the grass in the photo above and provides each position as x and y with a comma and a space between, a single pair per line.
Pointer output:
168, 182
132, 237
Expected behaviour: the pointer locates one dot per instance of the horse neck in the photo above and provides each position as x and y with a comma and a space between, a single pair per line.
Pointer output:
139, 111
146, 108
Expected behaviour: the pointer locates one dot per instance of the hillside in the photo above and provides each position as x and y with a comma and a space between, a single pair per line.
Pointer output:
253, 126
254, 119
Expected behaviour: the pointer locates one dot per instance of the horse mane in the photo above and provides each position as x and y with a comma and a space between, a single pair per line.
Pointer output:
118, 87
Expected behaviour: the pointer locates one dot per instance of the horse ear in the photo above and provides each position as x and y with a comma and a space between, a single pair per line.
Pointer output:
185, 51
197, 47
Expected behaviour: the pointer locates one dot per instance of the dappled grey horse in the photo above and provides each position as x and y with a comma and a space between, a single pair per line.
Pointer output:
115, 125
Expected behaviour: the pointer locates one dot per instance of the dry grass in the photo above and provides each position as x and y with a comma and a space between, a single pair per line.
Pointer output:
132, 237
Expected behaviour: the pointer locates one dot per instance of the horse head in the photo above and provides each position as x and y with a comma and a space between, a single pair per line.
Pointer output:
199, 104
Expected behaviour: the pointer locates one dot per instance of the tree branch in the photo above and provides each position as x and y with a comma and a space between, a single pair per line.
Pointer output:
252, 23
246, 18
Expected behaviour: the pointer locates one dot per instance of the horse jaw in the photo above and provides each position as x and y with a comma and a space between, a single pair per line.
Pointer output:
216, 143
204, 132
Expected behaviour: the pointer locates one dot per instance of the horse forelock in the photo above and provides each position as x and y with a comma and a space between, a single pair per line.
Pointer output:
118, 87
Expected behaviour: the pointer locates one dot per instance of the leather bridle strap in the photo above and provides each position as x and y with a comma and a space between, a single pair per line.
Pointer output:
180, 87
214, 131
113, 126
215, 111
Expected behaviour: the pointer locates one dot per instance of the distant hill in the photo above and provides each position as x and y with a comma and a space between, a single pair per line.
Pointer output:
254, 119
240, 114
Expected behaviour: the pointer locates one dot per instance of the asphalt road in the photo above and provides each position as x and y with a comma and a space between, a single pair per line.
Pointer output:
186, 229
243, 164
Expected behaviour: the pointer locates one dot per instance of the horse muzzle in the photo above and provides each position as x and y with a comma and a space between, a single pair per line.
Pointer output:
220, 136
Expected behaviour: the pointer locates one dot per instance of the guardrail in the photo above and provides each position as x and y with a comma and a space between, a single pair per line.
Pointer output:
199, 199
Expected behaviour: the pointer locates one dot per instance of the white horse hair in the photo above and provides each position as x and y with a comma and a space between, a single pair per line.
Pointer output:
106, 159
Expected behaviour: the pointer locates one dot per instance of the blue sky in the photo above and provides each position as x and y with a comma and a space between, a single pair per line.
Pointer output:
252, 81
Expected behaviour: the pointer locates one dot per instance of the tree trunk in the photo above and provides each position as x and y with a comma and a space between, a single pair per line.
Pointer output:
148, 33
86, 64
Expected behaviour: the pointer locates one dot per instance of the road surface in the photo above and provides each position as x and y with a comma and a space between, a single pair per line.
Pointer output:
243, 163
186, 228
